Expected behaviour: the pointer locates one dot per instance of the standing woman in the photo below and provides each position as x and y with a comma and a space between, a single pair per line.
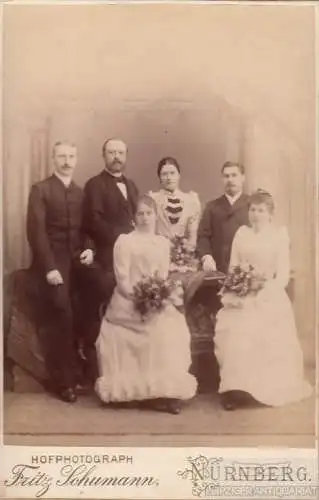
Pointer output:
256, 341
143, 358
178, 213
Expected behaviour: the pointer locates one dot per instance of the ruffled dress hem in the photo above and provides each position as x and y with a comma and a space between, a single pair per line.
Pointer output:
115, 390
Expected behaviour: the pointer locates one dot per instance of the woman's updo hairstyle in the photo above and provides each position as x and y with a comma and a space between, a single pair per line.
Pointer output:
261, 196
168, 160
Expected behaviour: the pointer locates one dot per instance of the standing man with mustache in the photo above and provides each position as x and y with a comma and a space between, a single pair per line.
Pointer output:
221, 219
61, 252
109, 208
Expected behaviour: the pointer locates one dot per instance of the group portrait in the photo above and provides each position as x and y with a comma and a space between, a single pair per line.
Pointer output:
159, 215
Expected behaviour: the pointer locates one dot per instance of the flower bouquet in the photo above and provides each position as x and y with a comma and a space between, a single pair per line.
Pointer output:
153, 293
183, 257
241, 281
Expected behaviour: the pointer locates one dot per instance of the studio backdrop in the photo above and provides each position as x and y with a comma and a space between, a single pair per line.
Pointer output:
170, 80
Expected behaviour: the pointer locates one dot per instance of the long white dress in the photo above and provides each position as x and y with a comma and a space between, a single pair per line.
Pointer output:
257, 345
142, 359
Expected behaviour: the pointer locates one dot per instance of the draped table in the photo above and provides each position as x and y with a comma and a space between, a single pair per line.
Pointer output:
201, 303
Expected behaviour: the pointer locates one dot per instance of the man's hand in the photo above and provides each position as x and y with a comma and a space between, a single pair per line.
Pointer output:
208, 263
54, 278
86, 257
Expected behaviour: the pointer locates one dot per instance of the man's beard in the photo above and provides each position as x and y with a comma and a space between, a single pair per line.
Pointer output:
118, 164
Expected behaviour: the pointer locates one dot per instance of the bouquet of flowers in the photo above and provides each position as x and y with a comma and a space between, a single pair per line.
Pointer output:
243, 281
183, 257
153, 293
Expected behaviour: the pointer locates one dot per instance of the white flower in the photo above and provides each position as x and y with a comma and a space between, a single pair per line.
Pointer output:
230, 300
245, 267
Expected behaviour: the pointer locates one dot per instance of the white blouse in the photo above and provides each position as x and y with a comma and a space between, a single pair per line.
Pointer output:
268, 251
189, 218
137, 255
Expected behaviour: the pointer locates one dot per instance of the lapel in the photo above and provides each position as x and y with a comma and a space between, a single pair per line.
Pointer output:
229, 210
58, 186
113, 189
56, 181
131, 193
241, 203
224, 205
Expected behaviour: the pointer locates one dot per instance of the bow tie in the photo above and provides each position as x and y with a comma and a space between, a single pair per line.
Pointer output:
119, 180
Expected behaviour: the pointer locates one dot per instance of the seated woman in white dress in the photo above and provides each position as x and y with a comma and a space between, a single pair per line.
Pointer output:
256, 341
143, 359
178, 213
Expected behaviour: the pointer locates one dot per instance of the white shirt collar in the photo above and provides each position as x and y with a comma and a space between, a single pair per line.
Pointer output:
233, 199
66, 180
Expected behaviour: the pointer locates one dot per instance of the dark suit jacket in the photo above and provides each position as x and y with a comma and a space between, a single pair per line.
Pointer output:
54, 224
107, 214
217, 228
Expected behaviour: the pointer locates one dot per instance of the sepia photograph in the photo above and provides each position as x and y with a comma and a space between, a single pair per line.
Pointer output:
159, 225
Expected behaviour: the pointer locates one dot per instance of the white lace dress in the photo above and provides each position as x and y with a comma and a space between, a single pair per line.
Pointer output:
142, 359
257, 345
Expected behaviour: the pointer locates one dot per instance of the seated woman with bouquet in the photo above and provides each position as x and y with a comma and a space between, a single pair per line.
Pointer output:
178, 215
143, 347
256, 341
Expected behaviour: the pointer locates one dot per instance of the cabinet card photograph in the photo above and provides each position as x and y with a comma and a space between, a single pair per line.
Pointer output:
159, 235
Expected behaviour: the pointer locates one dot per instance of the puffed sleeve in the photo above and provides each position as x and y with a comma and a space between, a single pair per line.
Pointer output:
283, 258
165, 257
122, 261
194, 218
155, 195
